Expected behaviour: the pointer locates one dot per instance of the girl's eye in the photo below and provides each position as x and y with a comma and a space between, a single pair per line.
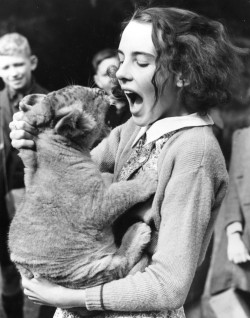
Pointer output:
142, 64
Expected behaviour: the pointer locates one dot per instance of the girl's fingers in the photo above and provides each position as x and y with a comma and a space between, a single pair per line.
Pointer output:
18, 144
38, 303
22, 139
21, 134
25, 283
22, 125
27, 292
18, 116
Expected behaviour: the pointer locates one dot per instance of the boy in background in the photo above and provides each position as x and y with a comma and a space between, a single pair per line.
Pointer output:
17, 64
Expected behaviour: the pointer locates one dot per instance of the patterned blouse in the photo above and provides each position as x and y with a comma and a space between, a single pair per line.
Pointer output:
143, 157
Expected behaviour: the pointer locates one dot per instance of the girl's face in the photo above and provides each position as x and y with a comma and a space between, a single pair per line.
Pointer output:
137, 66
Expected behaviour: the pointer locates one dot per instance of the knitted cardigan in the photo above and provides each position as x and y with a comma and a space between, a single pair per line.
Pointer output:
192, 181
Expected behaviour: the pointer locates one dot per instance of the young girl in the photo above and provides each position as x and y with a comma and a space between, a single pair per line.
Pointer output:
174, 66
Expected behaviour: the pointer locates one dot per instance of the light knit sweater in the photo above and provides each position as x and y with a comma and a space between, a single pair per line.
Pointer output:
192, 181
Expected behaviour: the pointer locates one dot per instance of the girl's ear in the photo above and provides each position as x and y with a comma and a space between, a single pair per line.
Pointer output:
181, 81
34, 62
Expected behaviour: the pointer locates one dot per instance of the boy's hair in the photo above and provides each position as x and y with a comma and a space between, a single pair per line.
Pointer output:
103, 55
195, 48
14, 44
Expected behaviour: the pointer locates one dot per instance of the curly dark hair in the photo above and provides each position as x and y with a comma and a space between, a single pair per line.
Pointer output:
196, 48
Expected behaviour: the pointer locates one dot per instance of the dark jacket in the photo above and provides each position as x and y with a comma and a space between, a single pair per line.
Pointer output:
236, 207
11, 166
10, 163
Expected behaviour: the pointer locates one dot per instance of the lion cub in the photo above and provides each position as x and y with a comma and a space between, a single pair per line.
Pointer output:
63, 230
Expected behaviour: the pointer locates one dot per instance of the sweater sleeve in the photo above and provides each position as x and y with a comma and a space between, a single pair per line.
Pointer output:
104, 153
186, 213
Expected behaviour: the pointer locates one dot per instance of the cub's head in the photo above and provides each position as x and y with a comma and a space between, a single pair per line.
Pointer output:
74, 112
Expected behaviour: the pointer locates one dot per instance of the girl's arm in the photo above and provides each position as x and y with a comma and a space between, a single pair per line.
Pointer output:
186, 227
43, 292
105, 152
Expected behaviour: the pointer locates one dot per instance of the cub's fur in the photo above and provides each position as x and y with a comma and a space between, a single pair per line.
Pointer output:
63, 230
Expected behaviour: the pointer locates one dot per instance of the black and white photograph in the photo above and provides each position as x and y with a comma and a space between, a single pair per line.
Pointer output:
124, 159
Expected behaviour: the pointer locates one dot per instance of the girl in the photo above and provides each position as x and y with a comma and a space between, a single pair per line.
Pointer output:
174, 66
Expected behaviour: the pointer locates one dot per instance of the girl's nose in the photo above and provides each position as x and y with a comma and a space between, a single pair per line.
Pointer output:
124, 72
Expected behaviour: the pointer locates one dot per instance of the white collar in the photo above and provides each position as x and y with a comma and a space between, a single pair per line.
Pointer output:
169, 124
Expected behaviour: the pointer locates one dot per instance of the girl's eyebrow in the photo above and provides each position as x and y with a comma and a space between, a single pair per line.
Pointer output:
151, 55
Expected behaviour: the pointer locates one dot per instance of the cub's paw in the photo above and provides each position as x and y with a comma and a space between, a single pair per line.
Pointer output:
149, 180
140, 266
136, 238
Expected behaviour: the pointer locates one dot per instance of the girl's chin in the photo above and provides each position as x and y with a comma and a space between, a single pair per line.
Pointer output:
140, 121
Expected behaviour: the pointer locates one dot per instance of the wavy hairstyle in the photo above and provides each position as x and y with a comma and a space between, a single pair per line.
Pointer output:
194, 47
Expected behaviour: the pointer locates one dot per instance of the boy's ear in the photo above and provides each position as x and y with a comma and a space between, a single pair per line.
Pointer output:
74, 121
181, 81
34, 62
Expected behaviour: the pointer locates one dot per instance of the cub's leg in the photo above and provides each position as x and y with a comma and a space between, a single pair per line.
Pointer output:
121, 196
132, 246
119, 264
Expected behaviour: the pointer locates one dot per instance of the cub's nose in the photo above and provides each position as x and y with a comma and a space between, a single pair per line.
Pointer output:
99, 92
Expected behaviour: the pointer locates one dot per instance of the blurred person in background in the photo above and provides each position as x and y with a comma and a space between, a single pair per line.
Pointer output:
105, 63
231, 269
17, 64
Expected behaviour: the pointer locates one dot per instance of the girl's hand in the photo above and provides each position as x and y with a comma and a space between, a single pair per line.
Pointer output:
22, 133
236, 249
43, 292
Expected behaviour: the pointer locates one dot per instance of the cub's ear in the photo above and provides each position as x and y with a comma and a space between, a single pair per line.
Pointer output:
73, 121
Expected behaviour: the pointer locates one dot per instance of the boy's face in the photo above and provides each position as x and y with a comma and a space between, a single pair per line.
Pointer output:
101, 77
16, 71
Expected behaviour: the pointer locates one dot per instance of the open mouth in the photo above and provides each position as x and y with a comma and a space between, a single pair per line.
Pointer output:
133, 97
